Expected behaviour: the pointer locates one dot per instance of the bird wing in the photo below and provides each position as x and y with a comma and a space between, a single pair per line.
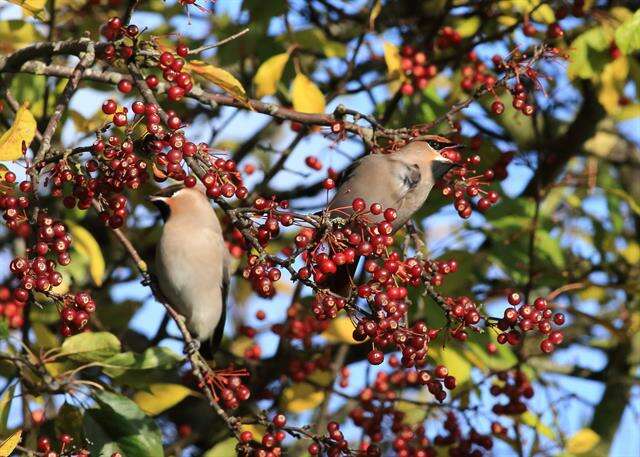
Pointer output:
377, 179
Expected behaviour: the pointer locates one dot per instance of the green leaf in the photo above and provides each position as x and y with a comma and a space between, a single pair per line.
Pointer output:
549, 248
4, 329
223, 448
91, 346
119, 425
588, 54
151, 359
628, 34
45, 338
314, 39
5, 407
633, 204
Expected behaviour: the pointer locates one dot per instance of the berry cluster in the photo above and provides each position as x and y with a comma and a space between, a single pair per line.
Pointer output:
225, 385
447, 37
262, 275
516, 386
75, 313
270, 444
522, 318
416, 68
376, 403
45, 445
463, 186
476, 74
299, 325
520, 65
473, 445
11, 308
38, 271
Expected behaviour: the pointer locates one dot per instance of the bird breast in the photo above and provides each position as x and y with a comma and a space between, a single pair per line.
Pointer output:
190, 265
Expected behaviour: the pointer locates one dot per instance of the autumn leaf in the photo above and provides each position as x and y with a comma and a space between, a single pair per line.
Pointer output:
221, 78
340, 331
392, 59
375, 12
583, 441
161, 397
306, 96
9, 444
33, 8
269, 73
85, 239
22, 130
301, 397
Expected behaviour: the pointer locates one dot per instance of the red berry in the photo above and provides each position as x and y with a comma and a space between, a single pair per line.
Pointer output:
497, 107
125, 86
182, 50
375, 357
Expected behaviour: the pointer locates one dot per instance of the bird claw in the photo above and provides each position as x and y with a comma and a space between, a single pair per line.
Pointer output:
192, 347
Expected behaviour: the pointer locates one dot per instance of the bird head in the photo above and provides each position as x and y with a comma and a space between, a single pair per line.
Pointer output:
177, 199
436, 147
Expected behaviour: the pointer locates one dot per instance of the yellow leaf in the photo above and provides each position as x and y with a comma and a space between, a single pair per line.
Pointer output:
322, 378
306, 96
32, 7
301, 397
269, 73
544, 14
340, 331
612, 82
533, 421
468, 27
458, 366
22, 130
240, 344
221, 78
9, 444
583, 441
85, 240
16, 34
392, 59
161, 397
631, 253
375, 12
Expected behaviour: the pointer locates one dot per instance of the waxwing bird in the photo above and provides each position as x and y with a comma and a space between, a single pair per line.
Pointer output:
401, 180
192, 263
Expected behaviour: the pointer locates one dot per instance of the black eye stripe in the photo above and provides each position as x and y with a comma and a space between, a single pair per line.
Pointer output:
437, 145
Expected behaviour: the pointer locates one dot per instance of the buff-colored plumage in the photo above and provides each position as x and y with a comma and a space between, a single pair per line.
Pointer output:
191, 263
401, 180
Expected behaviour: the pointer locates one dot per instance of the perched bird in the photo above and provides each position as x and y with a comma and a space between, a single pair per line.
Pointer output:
401, 180
192, 263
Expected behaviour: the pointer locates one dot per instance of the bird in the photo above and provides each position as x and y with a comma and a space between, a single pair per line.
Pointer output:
401, 180
192, 263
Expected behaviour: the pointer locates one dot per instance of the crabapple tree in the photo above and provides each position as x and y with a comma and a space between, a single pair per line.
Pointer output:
460, 333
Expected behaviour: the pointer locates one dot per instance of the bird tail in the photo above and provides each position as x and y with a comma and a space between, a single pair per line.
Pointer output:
209, 346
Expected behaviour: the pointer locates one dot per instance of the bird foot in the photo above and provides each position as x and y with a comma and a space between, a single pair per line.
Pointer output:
192, 347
